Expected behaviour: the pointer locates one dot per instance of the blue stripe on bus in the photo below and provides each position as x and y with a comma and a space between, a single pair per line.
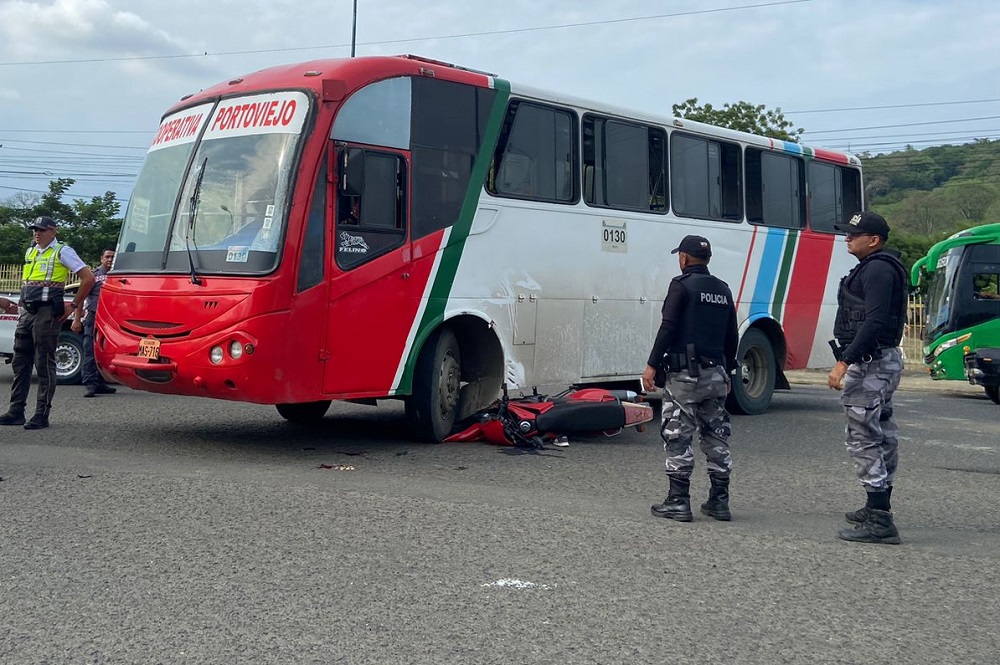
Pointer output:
767, 275
793, 148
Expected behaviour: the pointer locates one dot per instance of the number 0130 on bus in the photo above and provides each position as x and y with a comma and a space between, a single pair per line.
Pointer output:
397, 227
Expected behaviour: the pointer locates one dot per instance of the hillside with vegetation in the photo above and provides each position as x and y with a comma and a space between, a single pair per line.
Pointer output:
926, 195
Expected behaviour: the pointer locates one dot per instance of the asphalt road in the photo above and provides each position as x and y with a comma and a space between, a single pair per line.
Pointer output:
150, 529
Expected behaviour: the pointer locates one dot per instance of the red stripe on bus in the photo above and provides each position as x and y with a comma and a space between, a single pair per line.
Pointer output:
746, 266
802, 306
831, 156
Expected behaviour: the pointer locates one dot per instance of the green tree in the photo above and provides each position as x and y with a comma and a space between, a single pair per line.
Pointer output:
87, 226
926, 214
911, 247
742, 116
970, 200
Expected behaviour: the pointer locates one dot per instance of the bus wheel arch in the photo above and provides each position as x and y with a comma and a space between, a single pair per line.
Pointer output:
458, 372
758, 369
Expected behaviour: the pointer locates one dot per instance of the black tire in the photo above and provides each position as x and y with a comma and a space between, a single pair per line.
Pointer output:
69, 358
993, 392
303, 412
753, 385
434, 405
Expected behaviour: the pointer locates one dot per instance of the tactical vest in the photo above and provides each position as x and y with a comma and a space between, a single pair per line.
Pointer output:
44, 274
851, 305
703, 322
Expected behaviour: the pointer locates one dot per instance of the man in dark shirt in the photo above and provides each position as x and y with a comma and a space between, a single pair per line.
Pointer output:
692, 359
93, 381
870, 317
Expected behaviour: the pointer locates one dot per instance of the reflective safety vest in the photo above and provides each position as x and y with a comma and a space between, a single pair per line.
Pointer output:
44, 274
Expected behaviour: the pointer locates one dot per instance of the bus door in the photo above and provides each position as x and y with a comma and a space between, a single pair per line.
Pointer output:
371, 291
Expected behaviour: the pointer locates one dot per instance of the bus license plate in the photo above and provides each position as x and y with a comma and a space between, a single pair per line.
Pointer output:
149, 348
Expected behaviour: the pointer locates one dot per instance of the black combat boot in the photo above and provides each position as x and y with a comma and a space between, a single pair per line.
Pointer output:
677, 505
878, 500
12, 418
717, 505
38, 421
878, 528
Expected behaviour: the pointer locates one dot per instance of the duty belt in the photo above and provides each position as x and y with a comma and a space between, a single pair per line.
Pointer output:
675, 362
45, 283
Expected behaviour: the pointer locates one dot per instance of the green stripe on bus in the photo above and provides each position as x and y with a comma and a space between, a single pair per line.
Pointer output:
781, 288
452, 253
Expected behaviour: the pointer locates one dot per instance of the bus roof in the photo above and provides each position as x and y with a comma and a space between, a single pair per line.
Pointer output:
333, 79
977, 235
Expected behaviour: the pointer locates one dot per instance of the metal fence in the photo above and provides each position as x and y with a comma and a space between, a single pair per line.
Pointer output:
913, 333
10, 278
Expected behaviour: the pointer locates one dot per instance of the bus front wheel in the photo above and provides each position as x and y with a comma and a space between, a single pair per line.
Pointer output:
753, 385
433, 406
303, 412
993, 392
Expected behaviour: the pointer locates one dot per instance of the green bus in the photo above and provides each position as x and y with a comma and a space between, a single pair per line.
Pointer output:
962, 308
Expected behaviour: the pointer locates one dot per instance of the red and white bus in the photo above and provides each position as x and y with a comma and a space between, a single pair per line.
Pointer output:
398, 227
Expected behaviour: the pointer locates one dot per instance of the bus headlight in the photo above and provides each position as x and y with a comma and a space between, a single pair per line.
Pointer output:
944, 346
235, 350
215, 355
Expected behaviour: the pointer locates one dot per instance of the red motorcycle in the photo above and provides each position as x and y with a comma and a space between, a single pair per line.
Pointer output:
539, 420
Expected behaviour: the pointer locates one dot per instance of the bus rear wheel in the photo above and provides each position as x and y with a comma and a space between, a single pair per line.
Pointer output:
437, 383
303, 412
753, 385
993, 392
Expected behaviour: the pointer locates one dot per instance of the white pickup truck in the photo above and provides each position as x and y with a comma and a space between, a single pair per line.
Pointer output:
69, 352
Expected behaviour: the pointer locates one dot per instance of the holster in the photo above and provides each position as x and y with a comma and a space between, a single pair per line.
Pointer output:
58, 307
693, 363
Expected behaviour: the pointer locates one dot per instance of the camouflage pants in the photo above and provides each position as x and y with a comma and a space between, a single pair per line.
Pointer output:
696, 406
871, 434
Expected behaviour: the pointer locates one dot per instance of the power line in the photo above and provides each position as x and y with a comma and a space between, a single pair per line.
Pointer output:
81, 131
3, 141
414, 39
907, 124
895, 106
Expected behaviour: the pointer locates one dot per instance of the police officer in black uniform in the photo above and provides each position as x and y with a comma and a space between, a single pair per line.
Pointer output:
692, 359
869, 326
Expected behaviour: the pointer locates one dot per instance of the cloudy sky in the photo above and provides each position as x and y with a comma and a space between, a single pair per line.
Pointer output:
83, 83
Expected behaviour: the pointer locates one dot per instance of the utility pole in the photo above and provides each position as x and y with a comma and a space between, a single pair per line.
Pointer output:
354, 27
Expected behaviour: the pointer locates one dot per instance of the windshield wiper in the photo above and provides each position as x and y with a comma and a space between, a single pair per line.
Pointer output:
192, 217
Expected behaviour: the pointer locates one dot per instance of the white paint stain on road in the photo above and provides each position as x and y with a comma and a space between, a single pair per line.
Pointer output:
509, 583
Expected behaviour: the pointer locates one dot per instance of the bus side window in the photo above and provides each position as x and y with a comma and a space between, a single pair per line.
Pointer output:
705, 178
371, 206
834, 195
775, 189
311, 263
536, 154
449, 122
624, 165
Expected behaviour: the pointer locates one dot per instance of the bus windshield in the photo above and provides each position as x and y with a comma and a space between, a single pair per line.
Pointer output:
941, 293
247, 148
